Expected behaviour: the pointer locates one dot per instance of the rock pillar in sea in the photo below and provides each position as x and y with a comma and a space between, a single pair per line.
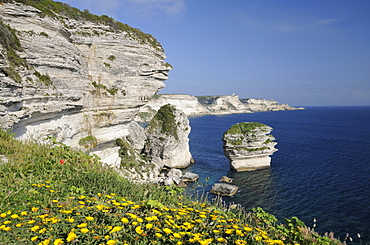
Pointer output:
248, 146
167, 139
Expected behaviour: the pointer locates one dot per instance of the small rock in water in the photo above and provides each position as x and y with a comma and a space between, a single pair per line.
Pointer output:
224, 189
174, 172
187, 177
226, 179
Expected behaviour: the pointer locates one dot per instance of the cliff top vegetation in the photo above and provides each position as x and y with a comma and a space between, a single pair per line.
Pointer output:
165, 119
51, 194
244, 127
60, 10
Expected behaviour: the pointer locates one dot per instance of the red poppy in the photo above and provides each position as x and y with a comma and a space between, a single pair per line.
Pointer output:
61, 161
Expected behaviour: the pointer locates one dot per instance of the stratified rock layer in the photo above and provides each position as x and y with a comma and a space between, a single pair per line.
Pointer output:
84, 81
248, 146
167, 139
209, 105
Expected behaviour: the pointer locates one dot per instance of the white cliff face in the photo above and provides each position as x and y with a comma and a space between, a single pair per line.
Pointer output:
228, 104
99, 78
209, 105
267, 105
248, 146
187, 103
167, 139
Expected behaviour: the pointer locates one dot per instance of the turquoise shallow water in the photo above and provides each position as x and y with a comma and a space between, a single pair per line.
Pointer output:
321, 169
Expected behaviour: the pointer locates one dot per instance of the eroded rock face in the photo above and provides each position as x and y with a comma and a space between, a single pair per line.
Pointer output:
248, 146
167, 138
83, 80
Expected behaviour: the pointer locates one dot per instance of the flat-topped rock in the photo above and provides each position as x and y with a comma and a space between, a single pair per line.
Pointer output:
248, 146
224, 189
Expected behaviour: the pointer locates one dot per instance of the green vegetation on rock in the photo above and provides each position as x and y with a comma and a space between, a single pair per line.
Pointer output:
10, 43
88, 142
244, 127
165, 120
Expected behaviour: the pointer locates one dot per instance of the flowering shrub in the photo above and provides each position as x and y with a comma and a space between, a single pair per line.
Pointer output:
108, 219
50, 194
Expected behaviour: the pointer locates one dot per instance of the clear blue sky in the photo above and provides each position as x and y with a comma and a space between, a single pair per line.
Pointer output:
301, 52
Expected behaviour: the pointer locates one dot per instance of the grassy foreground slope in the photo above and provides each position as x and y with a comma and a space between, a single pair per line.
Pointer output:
51, 194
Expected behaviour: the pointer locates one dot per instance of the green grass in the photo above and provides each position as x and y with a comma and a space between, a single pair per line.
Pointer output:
51, 194
244, 127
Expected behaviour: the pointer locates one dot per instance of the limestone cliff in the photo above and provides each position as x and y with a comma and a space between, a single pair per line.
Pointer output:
248, 146
209, 105
167, 142
267, 105
72, 75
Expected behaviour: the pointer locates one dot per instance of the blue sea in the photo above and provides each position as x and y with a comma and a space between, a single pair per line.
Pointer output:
321, 169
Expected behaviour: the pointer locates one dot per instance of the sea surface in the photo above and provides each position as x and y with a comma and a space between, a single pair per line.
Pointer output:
321, 169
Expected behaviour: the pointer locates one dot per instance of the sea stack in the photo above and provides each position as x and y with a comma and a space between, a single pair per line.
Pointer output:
248, 146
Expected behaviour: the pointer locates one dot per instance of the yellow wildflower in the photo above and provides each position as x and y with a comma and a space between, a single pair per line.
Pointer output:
35, 228
33, 209
149, 226
58, 241
124, 220
84, 230
70, 220
116, 228
45, 242
167, 230
82, 225
14, 216
176, 235
71, 236
158, 235
43, 230
34, 238
89, 218
139, 230
221, 239
111, 242
24, 213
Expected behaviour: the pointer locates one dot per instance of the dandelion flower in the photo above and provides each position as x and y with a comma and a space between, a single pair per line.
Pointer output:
34, 238
89, 218
158, 235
